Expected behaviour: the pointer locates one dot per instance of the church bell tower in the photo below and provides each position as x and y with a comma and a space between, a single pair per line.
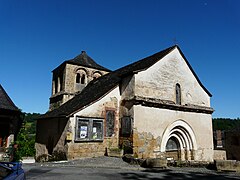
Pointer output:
72, 76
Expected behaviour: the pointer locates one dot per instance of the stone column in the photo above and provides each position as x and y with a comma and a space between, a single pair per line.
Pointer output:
188, 155
194, 155
182, 155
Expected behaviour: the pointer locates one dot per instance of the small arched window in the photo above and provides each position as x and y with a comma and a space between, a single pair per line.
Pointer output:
178, 94
61, 82
56, 85
83, 79
78, 78
96, 75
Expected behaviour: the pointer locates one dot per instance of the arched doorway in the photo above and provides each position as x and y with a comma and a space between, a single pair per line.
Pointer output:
173, 149
179, 141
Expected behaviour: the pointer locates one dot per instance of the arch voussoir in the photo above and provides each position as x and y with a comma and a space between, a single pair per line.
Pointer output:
184, 135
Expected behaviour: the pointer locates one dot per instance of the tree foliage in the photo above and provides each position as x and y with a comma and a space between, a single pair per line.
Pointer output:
226, 124
26, 136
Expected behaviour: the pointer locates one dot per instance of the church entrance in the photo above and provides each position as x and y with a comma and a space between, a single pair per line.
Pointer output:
173, 149
178, 141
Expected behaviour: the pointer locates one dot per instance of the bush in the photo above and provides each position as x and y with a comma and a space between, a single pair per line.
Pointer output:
42, 158
26, 144
57, 156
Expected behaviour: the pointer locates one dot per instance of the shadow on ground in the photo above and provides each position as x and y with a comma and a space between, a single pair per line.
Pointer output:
155, 174
37, 173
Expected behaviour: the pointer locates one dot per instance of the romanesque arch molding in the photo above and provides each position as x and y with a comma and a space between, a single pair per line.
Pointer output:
96, 74
182, 132
82, 71
81, 76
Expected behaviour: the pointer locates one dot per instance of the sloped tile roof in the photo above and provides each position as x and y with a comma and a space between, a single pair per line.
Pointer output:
5, 102
97, 88
83, 60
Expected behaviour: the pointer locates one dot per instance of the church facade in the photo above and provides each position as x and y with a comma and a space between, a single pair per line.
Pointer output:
155, 107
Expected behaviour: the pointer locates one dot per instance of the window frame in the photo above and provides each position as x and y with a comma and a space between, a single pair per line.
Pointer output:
78, 76
178, 94
83, 79
125, 130
106, 128
90, 129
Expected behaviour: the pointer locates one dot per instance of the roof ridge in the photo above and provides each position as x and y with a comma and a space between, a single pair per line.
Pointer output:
154, 58
85, 60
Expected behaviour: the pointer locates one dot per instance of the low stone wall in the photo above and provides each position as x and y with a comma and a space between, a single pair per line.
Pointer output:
146, 163
227, 165
91, 149
115, 152
220, 155
80, 150
155, 163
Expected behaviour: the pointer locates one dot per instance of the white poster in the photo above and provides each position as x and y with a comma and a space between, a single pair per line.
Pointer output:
83, 132
94, 133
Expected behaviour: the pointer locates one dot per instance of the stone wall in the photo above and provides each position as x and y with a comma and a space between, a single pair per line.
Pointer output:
227, 165
159, 81
220, 155
68, 83
78, 149
232, 145
70, 77
145, 145
51, 136
153, 127
127, 87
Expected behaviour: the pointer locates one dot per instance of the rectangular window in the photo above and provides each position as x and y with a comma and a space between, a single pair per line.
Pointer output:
89, 129
126, 126
110, 122
97, 130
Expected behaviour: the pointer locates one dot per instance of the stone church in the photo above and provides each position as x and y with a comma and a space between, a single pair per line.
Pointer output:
154, 107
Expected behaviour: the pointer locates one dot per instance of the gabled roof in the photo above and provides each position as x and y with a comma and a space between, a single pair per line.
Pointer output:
5, 101
84, 60
98, 88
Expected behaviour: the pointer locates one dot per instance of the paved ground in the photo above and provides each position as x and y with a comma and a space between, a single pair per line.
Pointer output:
114, 168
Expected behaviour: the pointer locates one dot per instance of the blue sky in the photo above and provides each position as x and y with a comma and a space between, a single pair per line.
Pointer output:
38, 35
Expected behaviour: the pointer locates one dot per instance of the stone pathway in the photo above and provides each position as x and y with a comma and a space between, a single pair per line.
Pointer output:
108, 163
104, 162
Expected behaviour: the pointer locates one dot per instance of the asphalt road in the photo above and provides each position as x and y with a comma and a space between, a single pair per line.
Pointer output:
88, 173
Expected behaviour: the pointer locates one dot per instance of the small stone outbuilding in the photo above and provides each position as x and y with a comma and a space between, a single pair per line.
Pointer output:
229, 141
155, 107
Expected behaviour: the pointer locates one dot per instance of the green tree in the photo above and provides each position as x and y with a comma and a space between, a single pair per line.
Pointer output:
226, 124
25, 143
26, 136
